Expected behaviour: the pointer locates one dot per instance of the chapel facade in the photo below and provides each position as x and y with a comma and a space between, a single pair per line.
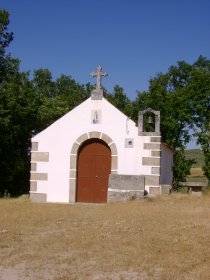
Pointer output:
97, 154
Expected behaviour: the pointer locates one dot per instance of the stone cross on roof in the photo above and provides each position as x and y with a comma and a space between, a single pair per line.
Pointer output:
99, 75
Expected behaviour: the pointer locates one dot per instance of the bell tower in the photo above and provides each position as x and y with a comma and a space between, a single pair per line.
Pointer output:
149, 132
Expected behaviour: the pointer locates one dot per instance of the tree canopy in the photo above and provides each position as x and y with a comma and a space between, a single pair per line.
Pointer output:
182, 95
27, 106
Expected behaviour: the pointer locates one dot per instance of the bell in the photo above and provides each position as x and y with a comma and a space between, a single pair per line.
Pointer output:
150, 120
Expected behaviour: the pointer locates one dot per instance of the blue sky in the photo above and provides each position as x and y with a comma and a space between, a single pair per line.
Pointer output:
132, 40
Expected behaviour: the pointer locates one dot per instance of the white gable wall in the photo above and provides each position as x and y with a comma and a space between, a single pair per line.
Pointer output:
57, 140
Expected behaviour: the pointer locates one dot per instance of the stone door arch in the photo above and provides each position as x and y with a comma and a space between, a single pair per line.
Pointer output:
74, 157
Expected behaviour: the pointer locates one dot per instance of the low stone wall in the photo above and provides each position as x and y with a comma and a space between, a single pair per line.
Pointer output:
125, 187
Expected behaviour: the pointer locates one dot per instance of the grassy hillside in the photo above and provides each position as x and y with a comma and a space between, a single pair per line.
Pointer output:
197, 155
196, 172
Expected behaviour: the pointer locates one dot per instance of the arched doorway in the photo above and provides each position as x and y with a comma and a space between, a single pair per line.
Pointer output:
93, 169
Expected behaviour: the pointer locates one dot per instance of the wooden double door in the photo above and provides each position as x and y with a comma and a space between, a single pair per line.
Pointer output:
93, 169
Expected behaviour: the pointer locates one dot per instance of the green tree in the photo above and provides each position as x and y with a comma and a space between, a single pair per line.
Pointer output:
8, 76
195, 82
6, 62
5, 36
199, 89
120, 100
168, 94
16, 122
53, 99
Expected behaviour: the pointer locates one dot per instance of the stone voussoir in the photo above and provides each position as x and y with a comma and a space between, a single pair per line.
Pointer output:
82, 138
106, 139
94, 134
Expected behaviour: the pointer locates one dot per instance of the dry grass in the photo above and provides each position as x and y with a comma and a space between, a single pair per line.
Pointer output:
161, 238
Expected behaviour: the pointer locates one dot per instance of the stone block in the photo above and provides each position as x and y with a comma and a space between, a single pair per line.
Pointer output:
72, 190
94, 134
114, 196
74, 148
34, 146
151, 180
114, 164
151, 146
73, 162
113, 149
140, 133
33, 166
73, 174
82, 138
40, 156
33, 186
151, 161
106, 138
155, 139
154, 190
97, 94
155, 153
38, 197
39, 176
126, 182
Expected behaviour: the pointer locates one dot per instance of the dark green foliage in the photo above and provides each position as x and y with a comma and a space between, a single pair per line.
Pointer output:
195, 80
200, 106
7, 64
15, 127
27, 107
182, 95
120, 100
206, 166
53, 99
181, 168
5, 36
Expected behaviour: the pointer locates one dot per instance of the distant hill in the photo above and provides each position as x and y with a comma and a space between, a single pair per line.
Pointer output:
197, 155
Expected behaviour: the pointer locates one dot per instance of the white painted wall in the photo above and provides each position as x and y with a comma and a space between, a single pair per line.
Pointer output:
58, 139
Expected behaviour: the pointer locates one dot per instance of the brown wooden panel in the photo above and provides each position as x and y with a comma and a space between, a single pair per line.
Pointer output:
94, 167
103, 168
85, 190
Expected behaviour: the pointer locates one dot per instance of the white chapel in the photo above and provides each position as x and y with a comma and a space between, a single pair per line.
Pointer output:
96, 154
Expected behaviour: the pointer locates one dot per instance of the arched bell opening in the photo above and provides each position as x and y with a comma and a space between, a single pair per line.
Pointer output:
149, 122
